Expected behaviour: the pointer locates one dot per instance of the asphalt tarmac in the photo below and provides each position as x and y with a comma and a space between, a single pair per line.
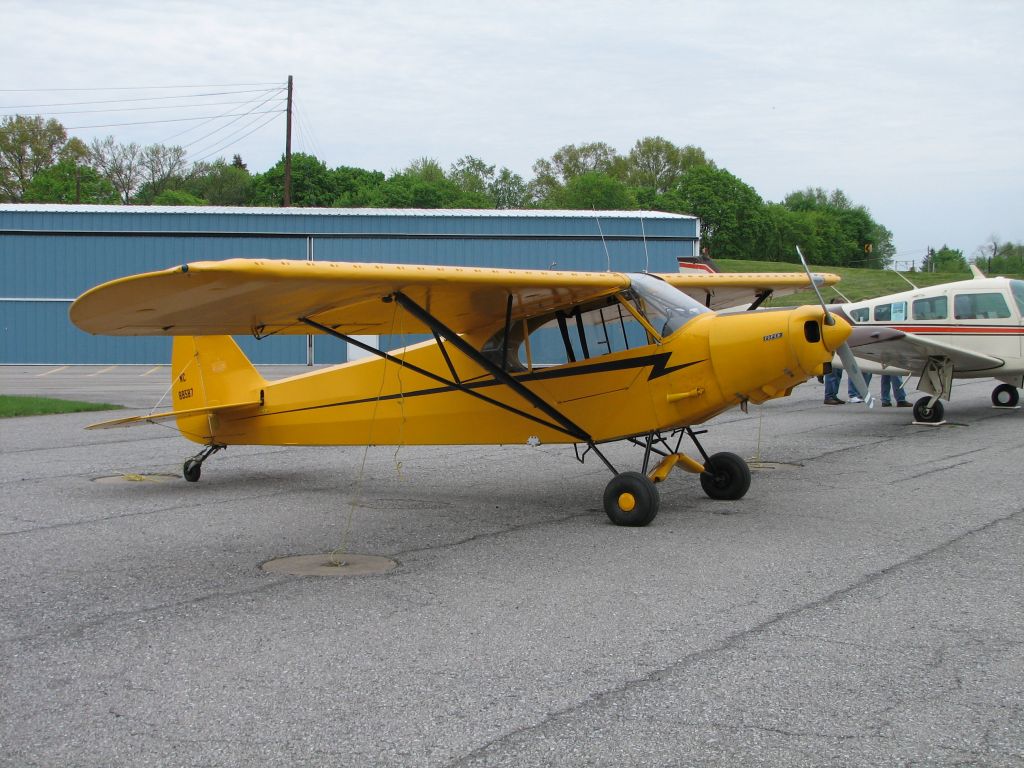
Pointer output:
863, 605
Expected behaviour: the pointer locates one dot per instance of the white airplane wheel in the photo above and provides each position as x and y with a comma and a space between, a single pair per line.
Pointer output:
631, 498
725, 476
929, 414
1005, 396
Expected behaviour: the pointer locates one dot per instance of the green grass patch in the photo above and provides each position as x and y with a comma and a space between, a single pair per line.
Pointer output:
23, 405
855, 285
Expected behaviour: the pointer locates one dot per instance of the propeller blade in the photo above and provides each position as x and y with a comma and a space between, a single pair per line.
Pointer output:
828, 319
854, 372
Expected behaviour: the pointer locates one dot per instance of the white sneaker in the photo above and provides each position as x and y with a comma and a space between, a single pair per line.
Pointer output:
856, 399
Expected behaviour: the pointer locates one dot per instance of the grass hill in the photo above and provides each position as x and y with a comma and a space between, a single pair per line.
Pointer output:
856, 284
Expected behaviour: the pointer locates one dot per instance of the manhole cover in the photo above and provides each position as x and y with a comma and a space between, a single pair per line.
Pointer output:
330, 564
131, 477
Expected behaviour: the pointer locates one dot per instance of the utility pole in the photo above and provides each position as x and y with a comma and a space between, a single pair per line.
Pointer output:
288, 150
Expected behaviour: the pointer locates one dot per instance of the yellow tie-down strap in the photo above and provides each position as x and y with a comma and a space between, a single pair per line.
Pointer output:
661, 471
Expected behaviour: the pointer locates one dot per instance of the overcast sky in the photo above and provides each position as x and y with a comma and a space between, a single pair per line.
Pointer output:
913, 109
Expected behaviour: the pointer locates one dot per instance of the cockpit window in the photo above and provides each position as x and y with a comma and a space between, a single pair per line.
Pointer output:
666, 308
599, 327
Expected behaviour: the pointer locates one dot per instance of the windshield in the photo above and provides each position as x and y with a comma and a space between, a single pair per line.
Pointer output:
1017, 289
666, 308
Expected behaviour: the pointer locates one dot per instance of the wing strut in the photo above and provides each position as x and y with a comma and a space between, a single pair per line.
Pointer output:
435, 325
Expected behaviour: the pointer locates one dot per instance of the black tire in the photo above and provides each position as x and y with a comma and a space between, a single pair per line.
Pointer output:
1005, 396
929, 414
725, 476
192, 470
631, 498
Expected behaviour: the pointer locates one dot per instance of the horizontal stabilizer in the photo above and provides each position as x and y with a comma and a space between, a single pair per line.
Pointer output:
153, 418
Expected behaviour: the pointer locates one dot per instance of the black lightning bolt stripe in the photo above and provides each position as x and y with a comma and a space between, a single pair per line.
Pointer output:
658, 363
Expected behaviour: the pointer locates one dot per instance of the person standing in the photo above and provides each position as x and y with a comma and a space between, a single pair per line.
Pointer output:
851, 390
832, 380
892, 387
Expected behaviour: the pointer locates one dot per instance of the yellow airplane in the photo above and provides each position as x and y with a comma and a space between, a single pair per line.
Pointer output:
516, 357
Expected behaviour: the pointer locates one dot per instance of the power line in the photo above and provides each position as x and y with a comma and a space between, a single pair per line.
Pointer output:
221, 128
232, 142
138, 109
141, 98
157, 122
135, 88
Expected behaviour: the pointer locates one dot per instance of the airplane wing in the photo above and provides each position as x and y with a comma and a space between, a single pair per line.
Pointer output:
243, 296
719, 290
263, 297
909, 351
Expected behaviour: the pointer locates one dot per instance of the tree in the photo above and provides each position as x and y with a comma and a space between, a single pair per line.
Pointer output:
734, 220
471, 174
177, 197
593, 191
27, 146
656, 163
567, 163
313, 185
508, 190
1009, 260
121, 164
846, 235
162, 167
218, 183
356, 188
945, 259
70, 182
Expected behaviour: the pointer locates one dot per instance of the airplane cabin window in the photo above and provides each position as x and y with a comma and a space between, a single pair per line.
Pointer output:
895, 312
980, 306
932, 308
861, 315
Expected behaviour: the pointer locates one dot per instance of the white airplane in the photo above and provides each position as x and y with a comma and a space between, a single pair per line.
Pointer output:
971, 329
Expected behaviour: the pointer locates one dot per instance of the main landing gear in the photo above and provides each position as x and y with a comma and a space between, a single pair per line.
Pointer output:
1005, 396
928, 410
194, 467
632, 498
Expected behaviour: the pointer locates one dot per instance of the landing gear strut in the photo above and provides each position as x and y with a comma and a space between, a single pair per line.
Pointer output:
194, 466
632, 498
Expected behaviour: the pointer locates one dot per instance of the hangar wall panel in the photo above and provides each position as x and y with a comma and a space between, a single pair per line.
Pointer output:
51, 254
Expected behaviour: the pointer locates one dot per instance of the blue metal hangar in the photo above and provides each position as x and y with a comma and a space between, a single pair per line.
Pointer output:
50, 254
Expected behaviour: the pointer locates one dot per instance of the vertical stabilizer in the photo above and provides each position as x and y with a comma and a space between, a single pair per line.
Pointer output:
210, 371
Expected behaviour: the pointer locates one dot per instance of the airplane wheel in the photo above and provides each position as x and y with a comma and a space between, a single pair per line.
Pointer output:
192, 470
631, 498
725, 476
1005, 396
928, 414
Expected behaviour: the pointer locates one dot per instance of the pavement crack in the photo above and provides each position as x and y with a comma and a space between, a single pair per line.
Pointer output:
732, 641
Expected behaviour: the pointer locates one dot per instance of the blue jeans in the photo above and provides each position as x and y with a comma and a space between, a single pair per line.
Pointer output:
832, 383
894, 383
851, 390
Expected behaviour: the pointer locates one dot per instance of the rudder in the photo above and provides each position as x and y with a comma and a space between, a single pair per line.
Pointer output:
210, 371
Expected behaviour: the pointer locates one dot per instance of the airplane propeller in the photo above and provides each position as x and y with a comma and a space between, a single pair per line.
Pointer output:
844, 351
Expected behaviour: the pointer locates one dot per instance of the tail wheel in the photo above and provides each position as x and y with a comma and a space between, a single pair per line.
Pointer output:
1005, 396
725, 476
929, 414
192, 470
631, 498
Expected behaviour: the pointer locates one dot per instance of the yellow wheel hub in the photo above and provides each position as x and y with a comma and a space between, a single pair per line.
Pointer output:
627, 502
